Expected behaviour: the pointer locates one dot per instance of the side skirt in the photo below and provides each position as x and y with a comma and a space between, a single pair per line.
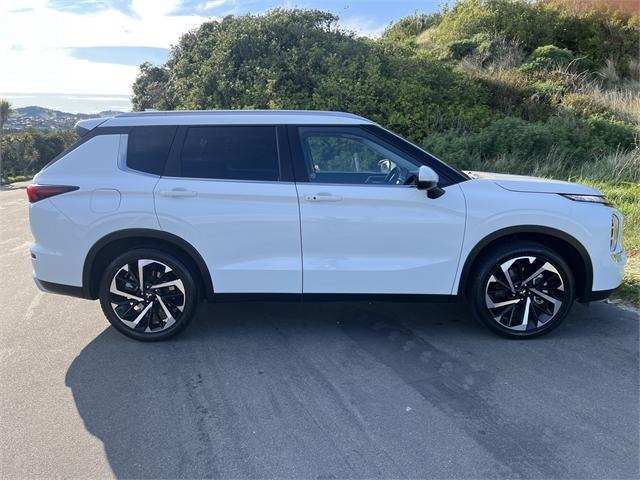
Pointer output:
333, 297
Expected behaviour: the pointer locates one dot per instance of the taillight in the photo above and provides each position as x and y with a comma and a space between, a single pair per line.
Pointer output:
40, 192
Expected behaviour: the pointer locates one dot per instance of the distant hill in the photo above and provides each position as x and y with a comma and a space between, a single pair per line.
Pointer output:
43, 118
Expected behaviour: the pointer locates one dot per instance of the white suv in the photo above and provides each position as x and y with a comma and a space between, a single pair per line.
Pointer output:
152, 212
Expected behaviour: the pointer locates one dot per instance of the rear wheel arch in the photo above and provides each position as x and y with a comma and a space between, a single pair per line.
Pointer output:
569, 248
110, 246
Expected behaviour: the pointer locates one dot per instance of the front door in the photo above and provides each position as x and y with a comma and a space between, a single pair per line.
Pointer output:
366, 228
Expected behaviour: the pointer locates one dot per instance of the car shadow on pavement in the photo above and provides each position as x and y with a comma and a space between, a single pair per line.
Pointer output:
271, 390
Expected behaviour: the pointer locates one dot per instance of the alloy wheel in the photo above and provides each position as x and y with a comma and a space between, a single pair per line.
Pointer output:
524, 293
147, 296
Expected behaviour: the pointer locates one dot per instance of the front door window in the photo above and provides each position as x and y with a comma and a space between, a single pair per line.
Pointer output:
349, 155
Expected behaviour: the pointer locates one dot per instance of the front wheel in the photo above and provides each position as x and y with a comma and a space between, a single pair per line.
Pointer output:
522, 290
148, 295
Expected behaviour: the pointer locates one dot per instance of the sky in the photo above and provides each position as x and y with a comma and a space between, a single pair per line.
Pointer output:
64, 51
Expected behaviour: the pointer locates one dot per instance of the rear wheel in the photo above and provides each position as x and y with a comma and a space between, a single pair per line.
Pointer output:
148, 295
522, 290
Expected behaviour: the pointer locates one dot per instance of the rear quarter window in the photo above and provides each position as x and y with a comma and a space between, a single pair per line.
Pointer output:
148, 148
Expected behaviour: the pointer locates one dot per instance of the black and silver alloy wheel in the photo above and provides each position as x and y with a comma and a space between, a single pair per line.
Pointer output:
148, 295
521, 289
524, 293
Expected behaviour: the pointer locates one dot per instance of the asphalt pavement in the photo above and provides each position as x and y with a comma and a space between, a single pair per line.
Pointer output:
318, 390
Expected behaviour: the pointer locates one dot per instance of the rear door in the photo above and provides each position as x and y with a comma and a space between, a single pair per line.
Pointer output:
228, 191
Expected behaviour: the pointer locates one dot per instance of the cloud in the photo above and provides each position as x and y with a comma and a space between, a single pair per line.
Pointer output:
219, 8
60, 50
94, 46
85, 7
121, 55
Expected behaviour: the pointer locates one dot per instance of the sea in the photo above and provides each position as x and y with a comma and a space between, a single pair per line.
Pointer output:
70, 102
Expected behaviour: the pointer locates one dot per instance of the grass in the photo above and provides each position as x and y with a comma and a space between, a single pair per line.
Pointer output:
15, 178
626, 197
623, 100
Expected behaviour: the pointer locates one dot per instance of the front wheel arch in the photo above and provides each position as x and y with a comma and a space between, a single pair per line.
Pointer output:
571, 250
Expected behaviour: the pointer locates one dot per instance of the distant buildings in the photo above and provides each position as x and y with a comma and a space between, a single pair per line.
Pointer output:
42, 118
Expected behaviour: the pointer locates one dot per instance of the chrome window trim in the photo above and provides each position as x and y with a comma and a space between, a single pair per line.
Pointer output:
280, 182
230, 180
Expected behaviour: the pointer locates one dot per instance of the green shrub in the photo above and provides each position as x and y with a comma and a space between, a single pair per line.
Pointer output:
547, 90
566, 137
408, 28
459, 49
26, 152
587, 106
548, 57
511, 93
299, 59
530, 25
591, 34
606, 134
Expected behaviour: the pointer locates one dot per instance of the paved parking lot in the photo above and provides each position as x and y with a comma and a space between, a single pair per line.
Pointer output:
307, 390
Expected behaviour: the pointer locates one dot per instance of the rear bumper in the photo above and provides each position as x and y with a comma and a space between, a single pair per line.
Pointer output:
57, 288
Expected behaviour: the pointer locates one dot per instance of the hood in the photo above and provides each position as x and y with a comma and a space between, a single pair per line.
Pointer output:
522, 183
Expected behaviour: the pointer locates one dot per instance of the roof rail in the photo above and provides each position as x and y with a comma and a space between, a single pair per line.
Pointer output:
161, 113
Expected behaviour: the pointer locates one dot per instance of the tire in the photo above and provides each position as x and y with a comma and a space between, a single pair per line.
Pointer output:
521, 290
162, 308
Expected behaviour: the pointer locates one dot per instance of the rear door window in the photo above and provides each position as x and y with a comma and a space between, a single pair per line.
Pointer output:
231, 153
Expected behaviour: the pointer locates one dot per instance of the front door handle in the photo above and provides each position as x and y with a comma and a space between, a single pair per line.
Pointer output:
177, 193
323, 197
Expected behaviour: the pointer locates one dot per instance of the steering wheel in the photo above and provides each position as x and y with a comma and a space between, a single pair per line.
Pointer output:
393, 176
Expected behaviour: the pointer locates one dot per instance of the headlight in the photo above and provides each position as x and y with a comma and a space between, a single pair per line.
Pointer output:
587, 198
615, 232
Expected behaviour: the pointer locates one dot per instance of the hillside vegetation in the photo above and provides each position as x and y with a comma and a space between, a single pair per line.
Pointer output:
544, 88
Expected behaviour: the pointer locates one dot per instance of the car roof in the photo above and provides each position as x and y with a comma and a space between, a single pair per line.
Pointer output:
234, 117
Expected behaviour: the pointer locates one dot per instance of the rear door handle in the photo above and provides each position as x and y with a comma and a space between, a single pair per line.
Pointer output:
178, 192
323, 197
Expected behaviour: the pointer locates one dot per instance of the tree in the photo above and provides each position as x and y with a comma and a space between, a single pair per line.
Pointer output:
301, 59
408, 28
5, 111
149, 89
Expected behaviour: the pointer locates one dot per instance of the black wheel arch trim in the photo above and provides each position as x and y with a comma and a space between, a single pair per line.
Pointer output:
61, 289
523, 230
151, 234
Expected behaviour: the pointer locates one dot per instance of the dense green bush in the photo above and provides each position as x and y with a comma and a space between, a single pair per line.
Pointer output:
595, 34
566, 136
408, 28
26, 152
300, 60
149, 89
531, 25
548, 57
458, 49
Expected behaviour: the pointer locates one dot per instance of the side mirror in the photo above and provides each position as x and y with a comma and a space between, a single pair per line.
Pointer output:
428, 180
